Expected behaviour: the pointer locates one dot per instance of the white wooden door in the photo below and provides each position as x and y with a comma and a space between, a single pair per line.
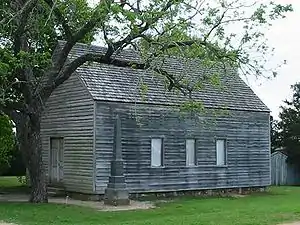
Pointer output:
56, 169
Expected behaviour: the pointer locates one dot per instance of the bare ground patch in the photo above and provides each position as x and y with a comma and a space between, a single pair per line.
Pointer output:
292, 223
4, 223
134, 205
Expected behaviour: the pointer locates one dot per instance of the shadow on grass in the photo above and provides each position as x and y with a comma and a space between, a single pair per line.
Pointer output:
15, 190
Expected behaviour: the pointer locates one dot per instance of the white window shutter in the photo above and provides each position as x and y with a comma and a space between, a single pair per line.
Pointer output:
190, 152
221, 152
156, 152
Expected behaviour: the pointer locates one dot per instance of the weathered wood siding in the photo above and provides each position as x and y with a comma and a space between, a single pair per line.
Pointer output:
282, 172
69, 114
248, 143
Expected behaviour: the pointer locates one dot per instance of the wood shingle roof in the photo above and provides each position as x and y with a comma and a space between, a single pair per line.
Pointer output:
112, 83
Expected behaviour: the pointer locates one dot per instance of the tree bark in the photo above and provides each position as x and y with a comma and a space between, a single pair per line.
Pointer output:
28, 132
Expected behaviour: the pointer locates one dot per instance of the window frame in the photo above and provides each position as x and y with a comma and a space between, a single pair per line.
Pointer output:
162, 152
225, 152
195, 152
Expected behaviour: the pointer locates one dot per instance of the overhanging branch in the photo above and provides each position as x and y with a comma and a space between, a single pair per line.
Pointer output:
60, 60
92, 57
100, 58
137, 33
63, 71
70, 68
93, 21
216, 25
61, 19
61, 57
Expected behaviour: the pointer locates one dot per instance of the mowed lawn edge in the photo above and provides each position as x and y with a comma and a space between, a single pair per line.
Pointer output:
278, 205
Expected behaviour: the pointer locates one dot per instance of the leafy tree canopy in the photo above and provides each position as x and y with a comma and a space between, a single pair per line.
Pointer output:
7, 143
288, 134
275, 140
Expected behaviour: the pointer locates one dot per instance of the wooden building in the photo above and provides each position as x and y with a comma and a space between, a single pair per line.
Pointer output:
164, 148
282, 171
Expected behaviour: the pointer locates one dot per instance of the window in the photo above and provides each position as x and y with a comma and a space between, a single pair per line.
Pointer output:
190, 152
221, 152
156, 152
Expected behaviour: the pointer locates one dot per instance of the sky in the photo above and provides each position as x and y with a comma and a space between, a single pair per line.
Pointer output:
284, 36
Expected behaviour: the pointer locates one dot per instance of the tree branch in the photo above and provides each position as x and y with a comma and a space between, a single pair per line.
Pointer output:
61, 19
135, 34
216, 25
134, 9
63, 72
100, 58
24, 15
61, 58
90, 57
59, 62
94, 20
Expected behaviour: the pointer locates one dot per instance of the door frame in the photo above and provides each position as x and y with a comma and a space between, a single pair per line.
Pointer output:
55, 183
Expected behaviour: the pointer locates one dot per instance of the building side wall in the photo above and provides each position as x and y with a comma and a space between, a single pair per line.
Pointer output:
246, 134
69, 114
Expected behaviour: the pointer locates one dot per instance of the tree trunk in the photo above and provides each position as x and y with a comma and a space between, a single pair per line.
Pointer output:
38, 192
28, 132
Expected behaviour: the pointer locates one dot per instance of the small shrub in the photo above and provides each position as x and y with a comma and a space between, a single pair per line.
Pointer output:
22, 180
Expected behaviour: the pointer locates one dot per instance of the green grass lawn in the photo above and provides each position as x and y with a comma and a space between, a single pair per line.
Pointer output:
281, 204
11, 184
6, 182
